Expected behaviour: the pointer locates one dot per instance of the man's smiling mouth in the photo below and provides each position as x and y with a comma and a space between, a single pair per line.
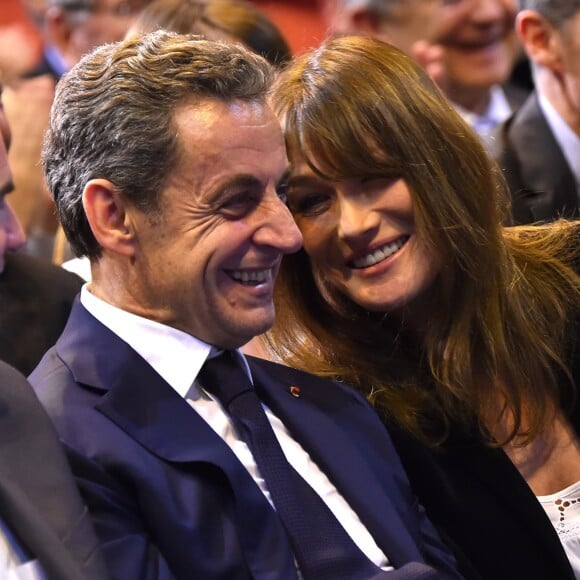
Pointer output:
251, 277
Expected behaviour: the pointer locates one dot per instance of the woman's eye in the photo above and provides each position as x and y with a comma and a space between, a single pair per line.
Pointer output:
309, 204
282, 192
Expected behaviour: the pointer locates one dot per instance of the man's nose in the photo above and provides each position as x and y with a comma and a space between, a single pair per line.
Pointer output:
279, 230
15, 236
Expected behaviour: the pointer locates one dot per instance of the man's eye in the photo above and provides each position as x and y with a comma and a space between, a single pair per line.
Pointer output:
239, 205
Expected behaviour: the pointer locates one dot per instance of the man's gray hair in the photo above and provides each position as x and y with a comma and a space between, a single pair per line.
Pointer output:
112, 117
556, 12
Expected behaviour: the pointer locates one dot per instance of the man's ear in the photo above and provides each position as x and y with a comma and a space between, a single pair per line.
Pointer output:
109, 218
540, 40
363, 21
357, 20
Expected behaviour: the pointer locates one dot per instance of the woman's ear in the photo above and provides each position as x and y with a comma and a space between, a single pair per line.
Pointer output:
108, 216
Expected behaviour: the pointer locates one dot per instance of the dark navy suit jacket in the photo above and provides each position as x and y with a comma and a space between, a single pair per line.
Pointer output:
168, 496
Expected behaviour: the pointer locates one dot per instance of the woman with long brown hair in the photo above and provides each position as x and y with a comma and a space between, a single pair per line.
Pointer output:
462, 332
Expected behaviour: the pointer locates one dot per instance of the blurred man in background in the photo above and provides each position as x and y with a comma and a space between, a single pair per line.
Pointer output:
539, 147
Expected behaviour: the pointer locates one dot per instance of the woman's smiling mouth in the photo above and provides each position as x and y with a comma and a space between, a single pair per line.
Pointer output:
379, 254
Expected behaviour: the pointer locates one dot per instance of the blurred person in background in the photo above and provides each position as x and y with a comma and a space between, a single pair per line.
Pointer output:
68, 29
45, 530
228, 20
35, 296
399, 22
539, 147
468, 46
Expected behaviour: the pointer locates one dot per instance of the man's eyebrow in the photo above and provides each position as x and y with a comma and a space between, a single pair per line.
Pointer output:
240, 181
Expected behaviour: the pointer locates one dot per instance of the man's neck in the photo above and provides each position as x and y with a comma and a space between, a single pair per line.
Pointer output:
554, 89
473, 99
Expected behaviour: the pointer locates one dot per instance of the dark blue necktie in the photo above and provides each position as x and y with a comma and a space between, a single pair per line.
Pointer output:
323, 549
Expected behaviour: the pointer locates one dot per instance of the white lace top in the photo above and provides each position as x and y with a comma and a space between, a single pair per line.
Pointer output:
563, 509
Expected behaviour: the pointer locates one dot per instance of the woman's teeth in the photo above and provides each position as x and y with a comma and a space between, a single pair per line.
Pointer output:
380, 254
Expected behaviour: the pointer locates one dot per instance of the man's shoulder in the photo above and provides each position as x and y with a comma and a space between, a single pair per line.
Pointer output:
35, 301
515, 94
26, 270
26, 432
15, 392
507, 138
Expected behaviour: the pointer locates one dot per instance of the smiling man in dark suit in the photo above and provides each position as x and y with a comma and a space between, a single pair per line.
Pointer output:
167, 167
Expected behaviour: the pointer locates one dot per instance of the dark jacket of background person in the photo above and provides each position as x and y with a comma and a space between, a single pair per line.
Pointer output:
38, 499
35, 301
541, 184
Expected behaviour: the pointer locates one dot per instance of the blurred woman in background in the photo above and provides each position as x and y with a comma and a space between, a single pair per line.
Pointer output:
229, 20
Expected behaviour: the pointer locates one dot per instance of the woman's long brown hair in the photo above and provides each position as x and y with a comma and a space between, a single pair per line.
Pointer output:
506, 300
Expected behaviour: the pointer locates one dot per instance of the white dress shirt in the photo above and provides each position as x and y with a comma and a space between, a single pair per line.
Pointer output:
497, 112
14, 565
178, 357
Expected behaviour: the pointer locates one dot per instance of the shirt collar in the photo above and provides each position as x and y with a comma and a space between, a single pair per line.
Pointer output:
496, 113
175, 355
568, 141
54, 58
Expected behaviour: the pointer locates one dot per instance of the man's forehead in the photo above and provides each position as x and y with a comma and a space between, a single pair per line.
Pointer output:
213, 122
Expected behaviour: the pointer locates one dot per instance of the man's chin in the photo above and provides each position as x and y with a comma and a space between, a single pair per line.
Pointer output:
241, 331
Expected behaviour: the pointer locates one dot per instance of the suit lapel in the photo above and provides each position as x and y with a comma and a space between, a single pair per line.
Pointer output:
544, 169
339, 458
143, 405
